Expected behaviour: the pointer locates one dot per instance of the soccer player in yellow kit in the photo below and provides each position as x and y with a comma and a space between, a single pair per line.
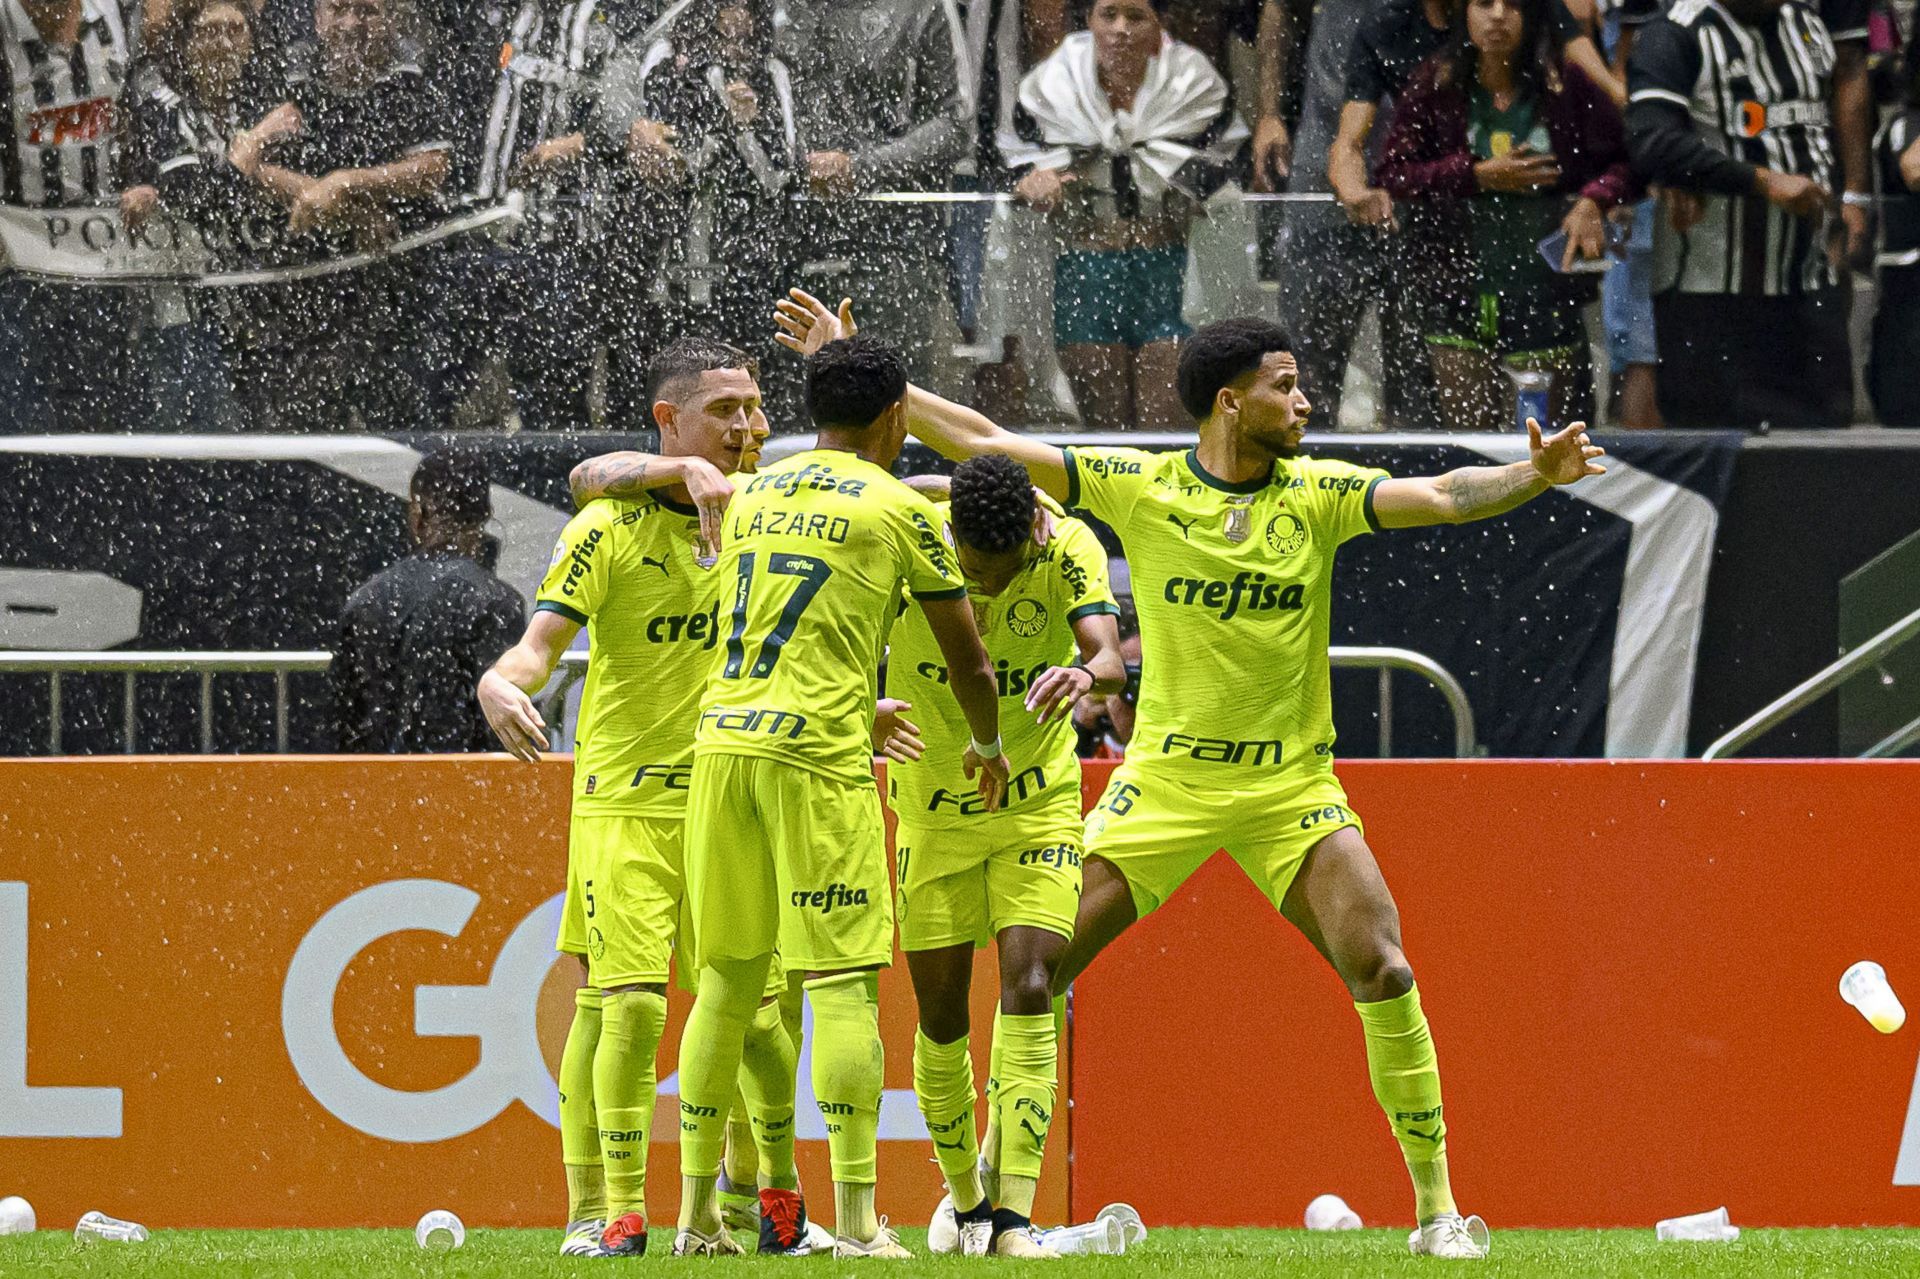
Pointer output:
629, 569
1231, 547
785, 843
1047, 615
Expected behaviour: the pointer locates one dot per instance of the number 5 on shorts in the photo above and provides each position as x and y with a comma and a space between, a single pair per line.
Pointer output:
813, 574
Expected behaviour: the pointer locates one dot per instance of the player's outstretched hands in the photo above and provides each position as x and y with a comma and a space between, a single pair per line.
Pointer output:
990, 775
805, 324
894, 735
1053, 695
1568, 457
710, 491
514, 718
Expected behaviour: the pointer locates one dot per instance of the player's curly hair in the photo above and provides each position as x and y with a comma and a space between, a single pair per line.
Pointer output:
852, 381
992, 504
1221, 353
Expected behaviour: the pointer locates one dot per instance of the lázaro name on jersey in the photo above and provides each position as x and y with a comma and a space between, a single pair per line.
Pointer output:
811, 524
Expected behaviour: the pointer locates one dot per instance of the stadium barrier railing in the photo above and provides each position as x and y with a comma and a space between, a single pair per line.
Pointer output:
1818, 685
573, 668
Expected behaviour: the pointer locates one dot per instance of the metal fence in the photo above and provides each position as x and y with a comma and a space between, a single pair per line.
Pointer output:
131, 665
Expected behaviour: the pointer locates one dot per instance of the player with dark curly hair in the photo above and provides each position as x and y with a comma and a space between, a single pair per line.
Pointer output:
1038, 583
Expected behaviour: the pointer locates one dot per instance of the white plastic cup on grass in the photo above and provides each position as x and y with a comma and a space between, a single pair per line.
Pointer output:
98, 1227
1700, 1227
16, 1216
1330, 1212
439, 1231
1102, 1235
1865, 987
1132, 1229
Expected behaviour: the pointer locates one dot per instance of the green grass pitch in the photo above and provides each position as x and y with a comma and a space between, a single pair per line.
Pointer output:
1215, 1254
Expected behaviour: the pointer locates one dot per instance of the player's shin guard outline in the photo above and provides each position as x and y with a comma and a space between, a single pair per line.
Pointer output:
849, 1071
579, 1124
711, 1047
943, 1085
767, 1083
1406, 1081
624, 1087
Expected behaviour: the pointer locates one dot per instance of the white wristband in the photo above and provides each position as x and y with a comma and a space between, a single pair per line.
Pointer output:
987, 750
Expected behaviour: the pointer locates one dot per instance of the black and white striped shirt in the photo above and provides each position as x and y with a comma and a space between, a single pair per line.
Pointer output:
58, 147
1712, 98
549, 58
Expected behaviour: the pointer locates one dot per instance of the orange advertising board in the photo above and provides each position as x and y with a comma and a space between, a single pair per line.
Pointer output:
321, 992
1631, 971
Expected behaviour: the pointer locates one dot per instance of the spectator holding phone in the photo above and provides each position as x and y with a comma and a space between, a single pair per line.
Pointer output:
1511, 146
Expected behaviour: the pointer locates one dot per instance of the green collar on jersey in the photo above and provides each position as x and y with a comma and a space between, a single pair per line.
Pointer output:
1211, 480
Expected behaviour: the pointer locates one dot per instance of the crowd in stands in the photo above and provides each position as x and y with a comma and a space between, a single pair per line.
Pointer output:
1036, 198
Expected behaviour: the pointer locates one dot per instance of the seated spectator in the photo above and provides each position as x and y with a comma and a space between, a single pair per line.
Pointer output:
1510, 144
416, 638
1118, 136
64, 349
1729, 107
361, 145
714, 82
202, 85
1893, 370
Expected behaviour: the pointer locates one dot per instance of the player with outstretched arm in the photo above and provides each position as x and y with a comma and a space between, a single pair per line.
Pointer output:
1231, 546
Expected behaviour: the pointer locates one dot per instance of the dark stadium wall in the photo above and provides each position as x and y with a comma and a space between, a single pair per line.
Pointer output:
321, 992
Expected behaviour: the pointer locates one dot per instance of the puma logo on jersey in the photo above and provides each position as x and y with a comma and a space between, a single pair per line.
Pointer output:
1185, 526
660, 563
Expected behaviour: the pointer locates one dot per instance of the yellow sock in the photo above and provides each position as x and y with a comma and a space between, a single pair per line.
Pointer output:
1029, 1067
710, 1051
767, 1070
943, 1083
849, 1070
579, 1126
624, 1084
1406, 1081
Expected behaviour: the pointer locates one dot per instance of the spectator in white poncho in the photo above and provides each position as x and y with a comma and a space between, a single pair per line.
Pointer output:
1119, 136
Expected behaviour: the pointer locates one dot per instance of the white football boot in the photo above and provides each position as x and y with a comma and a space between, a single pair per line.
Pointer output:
885, 1244
692, 1243
1452, 1236
943, 1229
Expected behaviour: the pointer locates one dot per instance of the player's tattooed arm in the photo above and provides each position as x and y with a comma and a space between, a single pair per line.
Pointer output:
1482, 492
628, 474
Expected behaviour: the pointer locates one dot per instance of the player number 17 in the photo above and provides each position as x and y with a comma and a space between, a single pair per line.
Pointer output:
813, 574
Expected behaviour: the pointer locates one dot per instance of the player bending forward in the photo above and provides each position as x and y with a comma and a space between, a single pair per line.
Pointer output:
1231, 546
627, 568
785, 844
1046, 613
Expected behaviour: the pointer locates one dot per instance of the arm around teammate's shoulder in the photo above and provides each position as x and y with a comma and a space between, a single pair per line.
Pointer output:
1482, 492
958, 432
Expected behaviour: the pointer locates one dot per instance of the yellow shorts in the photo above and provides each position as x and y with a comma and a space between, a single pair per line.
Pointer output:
966, 882
626, 897
780, 857
1158, 833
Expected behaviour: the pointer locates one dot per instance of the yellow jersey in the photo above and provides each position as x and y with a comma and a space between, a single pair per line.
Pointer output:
1027, 628
1232, 583
626, 570
818, 549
